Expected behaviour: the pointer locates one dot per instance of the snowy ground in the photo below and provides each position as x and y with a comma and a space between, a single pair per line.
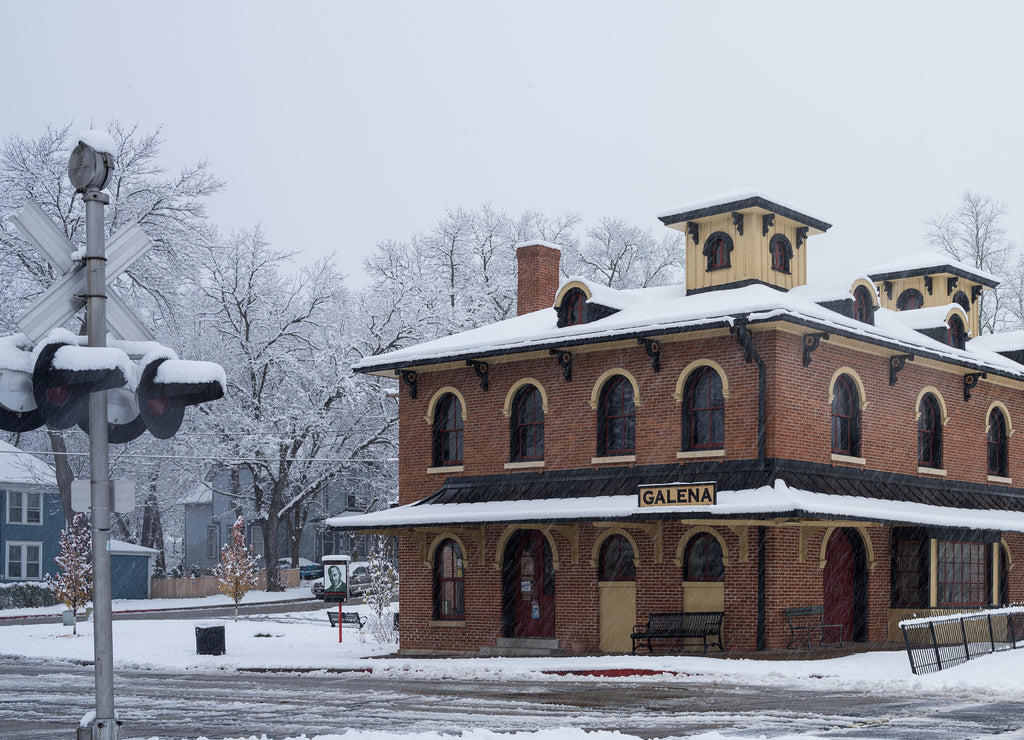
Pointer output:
303, 640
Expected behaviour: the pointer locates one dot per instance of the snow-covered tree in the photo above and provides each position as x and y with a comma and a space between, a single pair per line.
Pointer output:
236, 572
621, 255
73, 582
295, 416
973, 233
382, 589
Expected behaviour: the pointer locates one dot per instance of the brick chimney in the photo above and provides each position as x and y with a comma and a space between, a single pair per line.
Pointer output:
538, 275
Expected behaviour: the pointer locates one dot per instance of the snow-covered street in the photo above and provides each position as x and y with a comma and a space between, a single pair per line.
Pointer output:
286, 675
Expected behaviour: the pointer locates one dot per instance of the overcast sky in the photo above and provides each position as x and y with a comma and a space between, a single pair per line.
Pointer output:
337, 124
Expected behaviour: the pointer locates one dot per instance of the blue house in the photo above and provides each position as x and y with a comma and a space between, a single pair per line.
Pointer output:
31, 517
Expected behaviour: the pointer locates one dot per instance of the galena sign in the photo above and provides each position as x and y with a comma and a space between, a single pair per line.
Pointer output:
678, 494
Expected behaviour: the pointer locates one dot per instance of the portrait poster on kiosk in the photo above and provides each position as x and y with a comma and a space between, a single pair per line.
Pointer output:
336, 578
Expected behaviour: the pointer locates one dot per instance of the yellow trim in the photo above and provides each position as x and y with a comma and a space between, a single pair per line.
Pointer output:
847, 370
436, 543
437, 397
595, 394
1008, 559
1006, 416
693, 532
956, 308
692, 367
942, 403
560, 295
872, 290
595, 553
869, 551
507, 408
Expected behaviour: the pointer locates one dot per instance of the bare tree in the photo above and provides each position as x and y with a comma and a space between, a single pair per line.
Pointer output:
973, 233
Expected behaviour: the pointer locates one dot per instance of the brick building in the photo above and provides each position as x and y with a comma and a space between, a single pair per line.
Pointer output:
744, 443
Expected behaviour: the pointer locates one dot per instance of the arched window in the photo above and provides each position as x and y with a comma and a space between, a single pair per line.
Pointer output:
449, 585
997, 445
448, 431
616, 418
527, 425
845, 417
910, 299
703, 559
956, 335
617, 560
781, 251
717, 249
575, 302
929, 433
961, 299
863, 307
703, 411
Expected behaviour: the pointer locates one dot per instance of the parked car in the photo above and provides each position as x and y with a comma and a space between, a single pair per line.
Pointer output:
308, 570
358, 580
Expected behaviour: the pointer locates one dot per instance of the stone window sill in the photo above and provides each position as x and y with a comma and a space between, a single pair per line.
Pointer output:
1000, 480
699, 454
447, 469
930, 471
848, 459
524, 465
447, 623
612, 459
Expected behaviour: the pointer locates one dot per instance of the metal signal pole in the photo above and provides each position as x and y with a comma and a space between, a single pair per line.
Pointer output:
90, 171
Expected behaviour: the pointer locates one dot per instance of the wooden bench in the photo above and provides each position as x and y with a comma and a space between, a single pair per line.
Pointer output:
350, 618
678, 626
804, 621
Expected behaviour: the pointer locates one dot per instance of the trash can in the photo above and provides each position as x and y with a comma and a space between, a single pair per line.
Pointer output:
210, 639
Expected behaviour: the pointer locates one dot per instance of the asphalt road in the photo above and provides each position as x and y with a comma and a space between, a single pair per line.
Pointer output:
40, 700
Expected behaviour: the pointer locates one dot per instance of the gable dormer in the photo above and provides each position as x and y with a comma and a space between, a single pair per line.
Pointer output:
575, 304
741, 238
927, 280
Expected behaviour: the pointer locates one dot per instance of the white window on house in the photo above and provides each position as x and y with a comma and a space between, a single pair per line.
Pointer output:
212, 551
24, 561
24, 508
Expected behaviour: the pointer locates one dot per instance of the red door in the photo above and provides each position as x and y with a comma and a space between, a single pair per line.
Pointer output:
839, 583
534, 593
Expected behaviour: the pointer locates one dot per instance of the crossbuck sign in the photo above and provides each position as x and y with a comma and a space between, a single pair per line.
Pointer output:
67, 296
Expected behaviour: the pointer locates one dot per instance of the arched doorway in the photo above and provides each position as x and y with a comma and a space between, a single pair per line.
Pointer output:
528, 586
844, 584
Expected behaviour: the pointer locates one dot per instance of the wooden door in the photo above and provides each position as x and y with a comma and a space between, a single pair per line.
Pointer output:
617, 615
534, 597
839, 583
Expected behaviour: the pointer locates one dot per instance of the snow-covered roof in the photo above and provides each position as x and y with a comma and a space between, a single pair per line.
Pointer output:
735, 200
933, 317
127, 548
778, 499
663, 310
924, 263
20, 467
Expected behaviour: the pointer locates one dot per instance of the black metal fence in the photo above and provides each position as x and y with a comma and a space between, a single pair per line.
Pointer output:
934, 643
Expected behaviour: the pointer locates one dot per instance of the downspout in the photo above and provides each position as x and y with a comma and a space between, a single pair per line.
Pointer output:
751, 354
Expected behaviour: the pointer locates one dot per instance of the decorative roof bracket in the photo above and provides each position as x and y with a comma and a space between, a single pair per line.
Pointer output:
482, 370
928, 284
801, 235
975, 292
737, 221
409, 378
810, 343
653, 349
693, 229
564, 358
951, 285
896, 363
971, 380
887, 286
767, 221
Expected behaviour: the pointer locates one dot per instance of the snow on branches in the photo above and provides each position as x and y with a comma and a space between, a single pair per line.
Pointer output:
236, 572
383, 588
73, 584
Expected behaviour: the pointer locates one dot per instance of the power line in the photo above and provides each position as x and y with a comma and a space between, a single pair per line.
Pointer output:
372, 461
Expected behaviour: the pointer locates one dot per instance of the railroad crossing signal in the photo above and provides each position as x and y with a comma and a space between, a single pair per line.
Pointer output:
67, 296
